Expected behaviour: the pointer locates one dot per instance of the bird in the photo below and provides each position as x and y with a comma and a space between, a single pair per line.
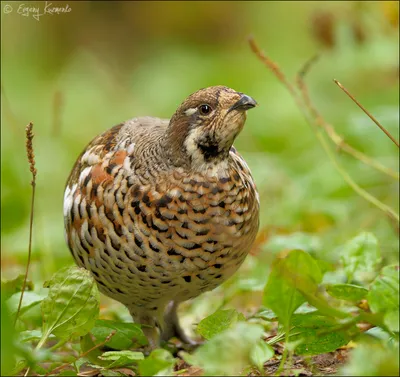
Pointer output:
162, 210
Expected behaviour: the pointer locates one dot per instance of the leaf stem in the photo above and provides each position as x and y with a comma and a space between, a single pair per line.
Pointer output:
284, 355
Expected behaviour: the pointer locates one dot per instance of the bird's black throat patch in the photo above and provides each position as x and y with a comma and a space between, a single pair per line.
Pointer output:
208, 147
209, 151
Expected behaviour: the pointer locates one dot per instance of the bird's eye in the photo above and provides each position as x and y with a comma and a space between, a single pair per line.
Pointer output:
205, 109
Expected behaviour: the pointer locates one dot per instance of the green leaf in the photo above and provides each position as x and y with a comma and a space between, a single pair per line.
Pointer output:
121, 358
298, 271
218, 322
314, 333
317, 341
29, 335
384, 290
159, 362
372, 359
348, 292
29, 300
9, 287
128, 335
361, 257
383, 296
72, 305
87, 344
267, 315
261, 353
228, 352
392, 320
312, 320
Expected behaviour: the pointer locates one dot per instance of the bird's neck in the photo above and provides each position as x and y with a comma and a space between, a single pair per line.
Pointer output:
184, 152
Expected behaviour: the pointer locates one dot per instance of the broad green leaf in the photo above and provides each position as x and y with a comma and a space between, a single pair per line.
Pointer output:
128, 335
297, 272
314, 333
312, 320
317, 341
72, 305
9, 287
27, 336
361, 257
261, 353
348, 292
384, 290
392, 320
29, 300
372, 359
266, 314
121, 358
87, 345
228, 352
218, 322
159, 362
383, 296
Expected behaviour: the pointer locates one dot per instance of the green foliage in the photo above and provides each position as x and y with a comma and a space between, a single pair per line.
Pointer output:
160, 362
9, 287
228, 352
72, 305
261, 353
361, 257
383, 296
315, 333
289, 279
127, 335
348, 292
305, 204
121, 358
218, 322
30, 300
373, 359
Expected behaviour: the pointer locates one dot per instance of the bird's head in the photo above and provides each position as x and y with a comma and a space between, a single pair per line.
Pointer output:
205, 125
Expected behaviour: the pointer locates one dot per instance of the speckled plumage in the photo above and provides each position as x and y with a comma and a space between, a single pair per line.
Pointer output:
161, 211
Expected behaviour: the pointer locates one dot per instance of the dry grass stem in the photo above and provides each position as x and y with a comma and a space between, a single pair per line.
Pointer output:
31, 160
318, 124
63, 366
329, 129
388, 134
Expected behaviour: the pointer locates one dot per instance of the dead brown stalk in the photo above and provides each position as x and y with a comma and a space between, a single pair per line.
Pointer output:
315, 119
31, 160
388, 134
63, 366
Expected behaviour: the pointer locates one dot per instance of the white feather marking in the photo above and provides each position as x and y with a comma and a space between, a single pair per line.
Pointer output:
69, 198
127, 164
90, 157
198, 163
130, 148
190, 111
84, 174
174, 193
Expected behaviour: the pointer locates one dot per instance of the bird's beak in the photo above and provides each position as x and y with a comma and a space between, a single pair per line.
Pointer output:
245, 103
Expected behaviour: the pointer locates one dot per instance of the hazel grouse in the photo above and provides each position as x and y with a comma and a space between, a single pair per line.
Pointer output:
162, 210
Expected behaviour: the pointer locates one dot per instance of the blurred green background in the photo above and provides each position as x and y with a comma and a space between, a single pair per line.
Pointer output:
76, 74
